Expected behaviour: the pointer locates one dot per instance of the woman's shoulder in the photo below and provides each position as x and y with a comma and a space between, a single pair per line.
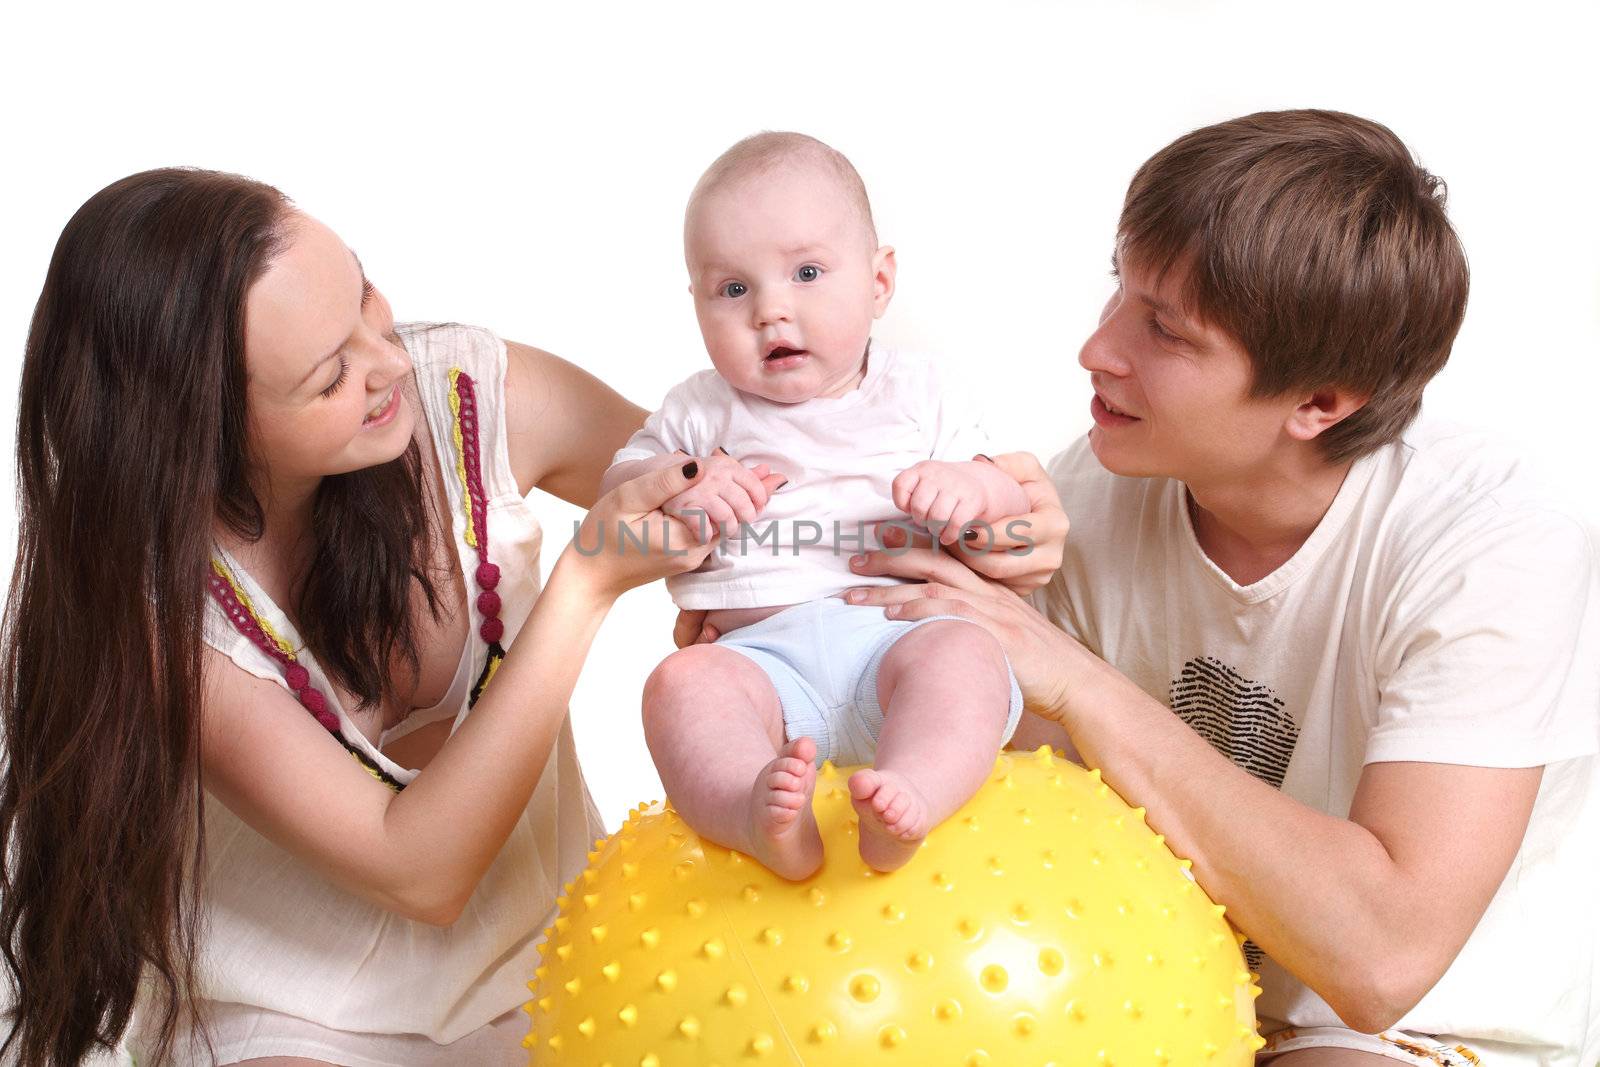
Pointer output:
436, 348
461, 378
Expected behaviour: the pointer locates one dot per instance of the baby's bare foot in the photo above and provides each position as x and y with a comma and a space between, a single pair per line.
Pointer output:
783, 829
894, 817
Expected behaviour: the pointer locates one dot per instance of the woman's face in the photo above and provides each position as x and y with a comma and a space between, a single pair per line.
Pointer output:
327, 375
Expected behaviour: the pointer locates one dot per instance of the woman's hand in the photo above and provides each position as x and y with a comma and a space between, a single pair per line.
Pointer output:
726, 494
1043, 658
626, 539
1019, 551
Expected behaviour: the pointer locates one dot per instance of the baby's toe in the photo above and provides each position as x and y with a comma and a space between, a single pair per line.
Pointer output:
783, 781
782, 815
910, 823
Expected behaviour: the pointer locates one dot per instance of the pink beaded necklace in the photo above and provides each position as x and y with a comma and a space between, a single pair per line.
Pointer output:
236, 604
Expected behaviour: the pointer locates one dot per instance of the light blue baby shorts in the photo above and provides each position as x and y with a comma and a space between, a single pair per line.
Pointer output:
823, 657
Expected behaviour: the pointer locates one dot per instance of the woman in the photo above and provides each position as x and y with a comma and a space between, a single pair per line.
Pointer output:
224, 437
245, 490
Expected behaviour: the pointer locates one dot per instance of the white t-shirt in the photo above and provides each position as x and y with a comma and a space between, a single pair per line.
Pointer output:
841, 455
1441, 612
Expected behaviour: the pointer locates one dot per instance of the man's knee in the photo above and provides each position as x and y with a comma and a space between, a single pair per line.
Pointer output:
1328, 1057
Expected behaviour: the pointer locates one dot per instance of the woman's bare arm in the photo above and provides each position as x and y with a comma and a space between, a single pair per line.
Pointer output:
562, 424
421, 852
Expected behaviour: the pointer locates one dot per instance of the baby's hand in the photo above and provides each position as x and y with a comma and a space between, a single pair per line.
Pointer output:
941, 496
728, 493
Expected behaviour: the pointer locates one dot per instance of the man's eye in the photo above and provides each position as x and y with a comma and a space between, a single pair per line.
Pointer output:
735, 289
808, 273
1161, 331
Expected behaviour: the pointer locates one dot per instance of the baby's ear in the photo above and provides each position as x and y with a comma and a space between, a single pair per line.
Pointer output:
883, 271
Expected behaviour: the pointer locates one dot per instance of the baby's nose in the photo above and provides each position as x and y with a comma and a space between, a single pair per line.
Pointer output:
771, 310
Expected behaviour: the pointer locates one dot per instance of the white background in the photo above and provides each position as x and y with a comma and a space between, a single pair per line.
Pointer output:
526, 170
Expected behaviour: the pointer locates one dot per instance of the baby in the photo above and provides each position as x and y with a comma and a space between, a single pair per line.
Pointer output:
809, 434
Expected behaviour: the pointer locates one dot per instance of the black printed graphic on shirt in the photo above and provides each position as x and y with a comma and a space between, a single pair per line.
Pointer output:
1242, 719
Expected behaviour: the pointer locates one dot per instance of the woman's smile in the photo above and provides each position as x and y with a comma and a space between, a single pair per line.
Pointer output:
384, 414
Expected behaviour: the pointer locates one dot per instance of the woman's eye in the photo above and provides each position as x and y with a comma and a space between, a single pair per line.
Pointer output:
808, 273
735, 289
344, 370
1161, 331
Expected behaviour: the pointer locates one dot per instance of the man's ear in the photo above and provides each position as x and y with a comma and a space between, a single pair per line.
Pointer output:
1322, 410
882, 280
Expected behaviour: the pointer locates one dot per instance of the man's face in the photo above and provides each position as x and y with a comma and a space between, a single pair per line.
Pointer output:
786, 284
1171, 391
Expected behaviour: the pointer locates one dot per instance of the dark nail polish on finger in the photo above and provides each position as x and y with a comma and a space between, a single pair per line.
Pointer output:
985, 458
970, 535
780, 485
691, 469
724, 451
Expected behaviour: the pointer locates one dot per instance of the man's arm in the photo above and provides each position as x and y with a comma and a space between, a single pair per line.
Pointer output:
1368, 911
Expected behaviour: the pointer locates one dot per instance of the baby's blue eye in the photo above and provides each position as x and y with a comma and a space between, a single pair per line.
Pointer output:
735, 289
808, 273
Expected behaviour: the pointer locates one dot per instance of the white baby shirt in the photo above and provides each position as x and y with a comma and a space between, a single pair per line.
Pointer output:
841, 455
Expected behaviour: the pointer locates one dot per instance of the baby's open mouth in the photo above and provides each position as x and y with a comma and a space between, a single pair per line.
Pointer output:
781, 352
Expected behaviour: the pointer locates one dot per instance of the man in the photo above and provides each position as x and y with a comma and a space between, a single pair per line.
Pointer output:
1349, 665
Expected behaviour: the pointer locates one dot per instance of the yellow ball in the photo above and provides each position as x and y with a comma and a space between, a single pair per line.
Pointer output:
1044, 923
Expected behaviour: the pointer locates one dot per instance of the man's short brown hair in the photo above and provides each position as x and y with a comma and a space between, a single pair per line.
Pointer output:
1319, 243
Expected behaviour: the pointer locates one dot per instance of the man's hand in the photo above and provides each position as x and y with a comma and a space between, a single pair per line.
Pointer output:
1020, 551
692, 629
1046, 662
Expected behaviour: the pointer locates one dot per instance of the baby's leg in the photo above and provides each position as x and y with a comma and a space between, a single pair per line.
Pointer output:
715, 729
945, 691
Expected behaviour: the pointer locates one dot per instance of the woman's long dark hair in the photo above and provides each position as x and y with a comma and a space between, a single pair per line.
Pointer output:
131, 442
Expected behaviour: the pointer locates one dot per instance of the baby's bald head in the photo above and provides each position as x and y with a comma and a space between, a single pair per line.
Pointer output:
764, 153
